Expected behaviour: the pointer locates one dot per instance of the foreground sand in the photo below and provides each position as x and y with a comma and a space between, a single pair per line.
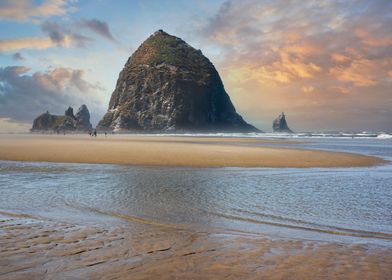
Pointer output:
32, 248
170, 151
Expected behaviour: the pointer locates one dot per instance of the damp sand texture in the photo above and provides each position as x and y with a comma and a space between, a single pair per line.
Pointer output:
171, 151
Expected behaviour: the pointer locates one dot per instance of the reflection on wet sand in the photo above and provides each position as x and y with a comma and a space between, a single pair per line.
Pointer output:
42, 249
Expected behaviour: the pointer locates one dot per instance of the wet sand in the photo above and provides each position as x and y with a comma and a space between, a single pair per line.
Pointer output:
122, 248
171, 151
33, 248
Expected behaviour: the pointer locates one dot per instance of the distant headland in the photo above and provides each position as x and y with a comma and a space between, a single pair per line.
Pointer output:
69, 122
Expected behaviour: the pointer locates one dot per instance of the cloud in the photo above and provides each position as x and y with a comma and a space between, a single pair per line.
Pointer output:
338, 57
361, 73
270, 52
307, 89
26, 43
63, 36
99, 27
369, 39
58, 35
24, 10
17, 56
290, 42
24, 96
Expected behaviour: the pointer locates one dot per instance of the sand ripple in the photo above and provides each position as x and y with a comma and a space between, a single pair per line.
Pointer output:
32, 248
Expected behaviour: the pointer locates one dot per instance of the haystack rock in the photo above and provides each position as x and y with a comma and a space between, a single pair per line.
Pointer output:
167, 85
280, 124
47, 122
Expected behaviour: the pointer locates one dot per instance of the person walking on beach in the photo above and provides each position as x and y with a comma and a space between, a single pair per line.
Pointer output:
95, 133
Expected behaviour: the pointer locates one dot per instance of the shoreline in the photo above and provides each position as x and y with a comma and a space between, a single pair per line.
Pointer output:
183, 151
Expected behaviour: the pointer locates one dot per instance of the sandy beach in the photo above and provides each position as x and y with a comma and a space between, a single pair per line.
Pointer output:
171, 151
33, 248
126, 222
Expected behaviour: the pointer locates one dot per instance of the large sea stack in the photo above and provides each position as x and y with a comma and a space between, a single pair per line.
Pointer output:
47, 122
280, 124
167, 85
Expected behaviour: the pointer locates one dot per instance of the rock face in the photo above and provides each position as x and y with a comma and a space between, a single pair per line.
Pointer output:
53, 123
167, 85
83, 118
69, 112
280, 124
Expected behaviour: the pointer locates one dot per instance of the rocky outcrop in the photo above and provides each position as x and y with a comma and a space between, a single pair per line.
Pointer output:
83, 118
167, 85
47, 122
69, 112
280, 124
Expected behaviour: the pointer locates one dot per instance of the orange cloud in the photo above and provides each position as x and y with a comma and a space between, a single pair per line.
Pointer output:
59, 79
338, 57
287, 68
302, 49
32, 43
289, 65
23, 10
372, 41
273, 62
342, 89
298, 68
307, 89
361, 72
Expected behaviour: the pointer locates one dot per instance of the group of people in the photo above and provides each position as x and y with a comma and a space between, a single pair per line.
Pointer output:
93, 133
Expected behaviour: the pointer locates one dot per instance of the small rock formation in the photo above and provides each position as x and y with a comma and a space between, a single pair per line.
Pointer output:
167, 85
69, 112
47, 122
280, 124
83, 118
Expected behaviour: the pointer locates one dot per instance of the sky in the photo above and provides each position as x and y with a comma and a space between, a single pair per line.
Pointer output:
326, 64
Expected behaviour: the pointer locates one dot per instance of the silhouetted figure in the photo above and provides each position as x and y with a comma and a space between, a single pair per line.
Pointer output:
95, 133
106, 133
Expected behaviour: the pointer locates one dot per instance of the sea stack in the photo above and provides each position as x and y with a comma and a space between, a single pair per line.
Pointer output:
47, 122
83, 118
280, 124
167, 85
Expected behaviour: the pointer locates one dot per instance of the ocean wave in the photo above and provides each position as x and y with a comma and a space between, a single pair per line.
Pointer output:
384, 136
340, 135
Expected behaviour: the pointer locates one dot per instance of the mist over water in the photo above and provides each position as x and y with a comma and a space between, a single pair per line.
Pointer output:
345, 204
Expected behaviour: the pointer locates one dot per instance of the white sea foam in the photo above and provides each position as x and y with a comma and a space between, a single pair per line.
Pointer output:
384, 136
321, 135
